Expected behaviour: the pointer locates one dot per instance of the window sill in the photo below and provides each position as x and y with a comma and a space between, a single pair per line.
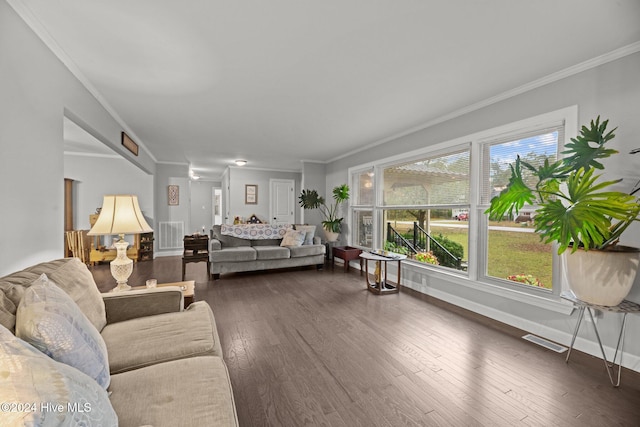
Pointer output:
548, 302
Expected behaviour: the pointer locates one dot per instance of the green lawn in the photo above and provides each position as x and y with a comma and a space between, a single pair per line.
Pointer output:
519, 253
510, 252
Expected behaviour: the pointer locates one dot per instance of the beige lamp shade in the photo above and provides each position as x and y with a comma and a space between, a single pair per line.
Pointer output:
120, 214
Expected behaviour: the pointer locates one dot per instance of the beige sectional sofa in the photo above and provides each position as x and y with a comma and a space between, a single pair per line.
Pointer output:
229, 254
165, 363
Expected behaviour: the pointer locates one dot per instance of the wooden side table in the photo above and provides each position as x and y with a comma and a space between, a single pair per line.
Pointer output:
196, 249
346, 253
188, 290
380, 286
624, 308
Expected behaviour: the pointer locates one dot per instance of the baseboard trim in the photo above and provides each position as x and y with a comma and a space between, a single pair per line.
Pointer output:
158, 254
629, 361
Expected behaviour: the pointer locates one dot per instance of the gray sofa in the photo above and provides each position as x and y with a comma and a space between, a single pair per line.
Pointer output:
165, 363
229, 254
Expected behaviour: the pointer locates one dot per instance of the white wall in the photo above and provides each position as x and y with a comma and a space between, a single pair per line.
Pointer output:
96, 176
37, 92
241, 176
171, 174
611, 90
202, 205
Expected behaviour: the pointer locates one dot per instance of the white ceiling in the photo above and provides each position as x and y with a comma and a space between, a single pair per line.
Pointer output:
275, 82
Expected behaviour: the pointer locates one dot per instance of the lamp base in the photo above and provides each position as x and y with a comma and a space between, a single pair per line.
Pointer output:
122, 266
121, 287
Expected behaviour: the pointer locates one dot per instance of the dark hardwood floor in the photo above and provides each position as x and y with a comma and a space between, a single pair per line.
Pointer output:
307, 347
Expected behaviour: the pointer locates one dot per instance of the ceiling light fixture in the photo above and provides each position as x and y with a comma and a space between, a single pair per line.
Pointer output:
240, 162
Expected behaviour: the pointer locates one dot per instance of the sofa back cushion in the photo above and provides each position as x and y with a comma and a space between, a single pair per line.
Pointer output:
229, 241
70, 274
49, 320
267, 242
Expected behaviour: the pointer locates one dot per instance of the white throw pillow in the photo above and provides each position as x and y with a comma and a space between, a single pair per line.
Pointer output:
48, 319
38, 391
310, 231
293, 238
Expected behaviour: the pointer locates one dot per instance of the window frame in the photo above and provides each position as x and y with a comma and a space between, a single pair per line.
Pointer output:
475, 276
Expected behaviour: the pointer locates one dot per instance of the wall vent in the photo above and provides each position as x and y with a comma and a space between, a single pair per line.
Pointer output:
171, 234
545, 343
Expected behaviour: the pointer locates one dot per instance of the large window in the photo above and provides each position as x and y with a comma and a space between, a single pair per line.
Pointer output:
513, 251
362, 186
423, 204
430, 204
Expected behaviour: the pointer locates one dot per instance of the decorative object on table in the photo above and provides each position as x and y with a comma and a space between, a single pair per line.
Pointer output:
582, 218
310, 199
120, 215
250, 194
173, 195
253, 219
129, 144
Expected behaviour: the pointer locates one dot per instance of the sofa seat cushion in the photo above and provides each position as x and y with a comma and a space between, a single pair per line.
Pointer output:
144, 341
242, 253
189, 392
306, 250
271, 252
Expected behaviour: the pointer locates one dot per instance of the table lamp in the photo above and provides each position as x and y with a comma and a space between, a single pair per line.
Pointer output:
120, 215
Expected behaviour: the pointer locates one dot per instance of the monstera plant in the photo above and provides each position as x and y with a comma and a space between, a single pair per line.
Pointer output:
310, 199
578, 211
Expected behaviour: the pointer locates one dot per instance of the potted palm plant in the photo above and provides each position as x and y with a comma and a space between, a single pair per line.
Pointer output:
576, 210
310, 199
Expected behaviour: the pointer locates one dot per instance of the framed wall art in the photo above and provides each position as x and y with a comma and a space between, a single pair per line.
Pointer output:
250, 194
129, 144
174, 195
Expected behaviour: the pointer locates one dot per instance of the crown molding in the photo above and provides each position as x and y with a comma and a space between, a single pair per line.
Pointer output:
264, 169
551, 78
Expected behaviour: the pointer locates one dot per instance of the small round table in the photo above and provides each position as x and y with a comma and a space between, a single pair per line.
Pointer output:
380, 286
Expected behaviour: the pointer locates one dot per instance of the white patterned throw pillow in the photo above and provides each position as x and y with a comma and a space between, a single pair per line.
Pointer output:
50, 320
293, 238
38, 391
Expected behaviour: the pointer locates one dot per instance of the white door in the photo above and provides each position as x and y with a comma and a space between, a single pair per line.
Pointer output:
282, 199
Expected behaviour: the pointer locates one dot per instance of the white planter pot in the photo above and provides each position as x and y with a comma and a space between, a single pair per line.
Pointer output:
331, 236
602, 277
